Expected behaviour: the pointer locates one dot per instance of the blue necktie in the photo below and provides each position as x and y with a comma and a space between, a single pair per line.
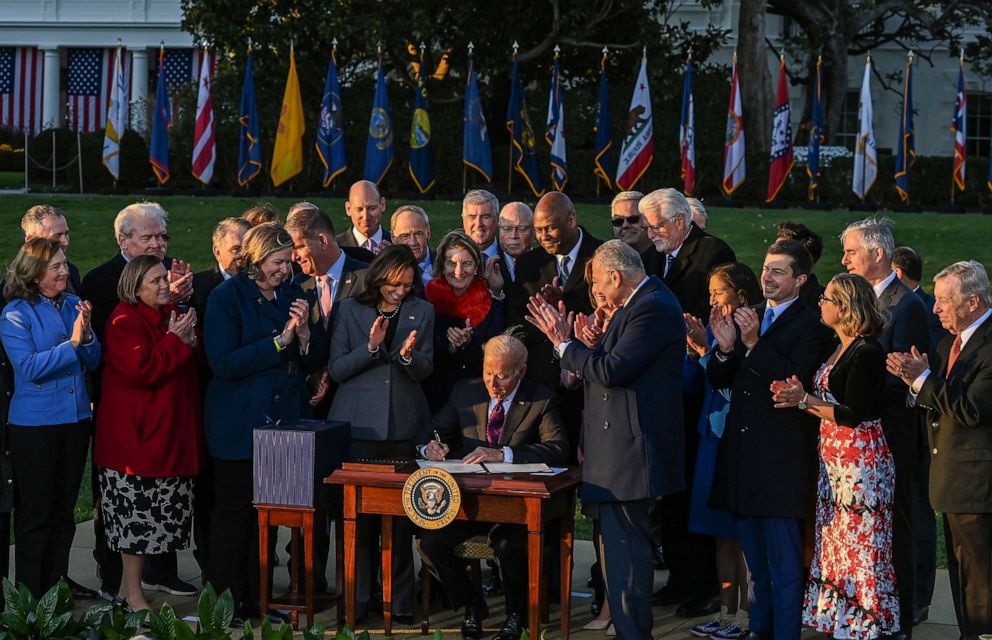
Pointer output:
767, 320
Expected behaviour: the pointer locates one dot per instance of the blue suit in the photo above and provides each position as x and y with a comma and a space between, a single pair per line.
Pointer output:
252, 380
633, 439
49, 384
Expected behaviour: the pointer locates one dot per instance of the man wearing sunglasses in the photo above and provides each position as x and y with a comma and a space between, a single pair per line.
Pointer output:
628, 223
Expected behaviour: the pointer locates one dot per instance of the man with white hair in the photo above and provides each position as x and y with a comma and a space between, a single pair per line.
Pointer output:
687, 252
411, 226
499, 418
632, 428
480, 210
868, 248
516, 236
955, 390
628, 223
699, 215
140, 229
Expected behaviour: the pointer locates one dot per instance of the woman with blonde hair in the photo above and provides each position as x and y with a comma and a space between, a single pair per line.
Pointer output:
260, 346
851, 589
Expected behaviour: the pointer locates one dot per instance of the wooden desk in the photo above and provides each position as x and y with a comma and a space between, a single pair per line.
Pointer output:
530, 500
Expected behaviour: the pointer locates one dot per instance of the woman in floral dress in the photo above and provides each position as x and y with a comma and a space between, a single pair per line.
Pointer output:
851, 589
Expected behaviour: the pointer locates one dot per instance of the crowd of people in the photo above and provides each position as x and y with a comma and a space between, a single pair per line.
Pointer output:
778, 444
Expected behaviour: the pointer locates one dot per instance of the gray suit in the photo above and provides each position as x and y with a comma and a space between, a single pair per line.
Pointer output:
379, 396
383, 401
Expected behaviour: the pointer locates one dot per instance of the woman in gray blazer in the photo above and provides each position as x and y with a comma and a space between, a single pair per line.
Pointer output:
381, 350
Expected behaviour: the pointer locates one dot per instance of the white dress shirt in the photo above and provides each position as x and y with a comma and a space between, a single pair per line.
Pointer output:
360, 237
572, 257
881, 286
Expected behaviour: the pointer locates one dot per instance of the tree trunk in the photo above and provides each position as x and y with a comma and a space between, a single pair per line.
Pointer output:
756, 81
835, 81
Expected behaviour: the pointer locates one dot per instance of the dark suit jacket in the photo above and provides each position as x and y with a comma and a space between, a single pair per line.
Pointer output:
766, 462
253, 381
960, 415
907, 327
352, 283
535, 269
100, 288
203, 283
633, 437
347, 239
810, 292
532, 427
688, 277
936, 330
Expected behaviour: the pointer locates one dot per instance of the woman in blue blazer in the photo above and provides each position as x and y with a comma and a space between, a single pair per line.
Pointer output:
47, 335
381, 351
260, 348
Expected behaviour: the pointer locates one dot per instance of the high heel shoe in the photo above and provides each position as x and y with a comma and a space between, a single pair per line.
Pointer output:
596, 625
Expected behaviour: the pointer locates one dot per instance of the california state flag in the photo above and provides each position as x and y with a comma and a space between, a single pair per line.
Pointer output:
638, 142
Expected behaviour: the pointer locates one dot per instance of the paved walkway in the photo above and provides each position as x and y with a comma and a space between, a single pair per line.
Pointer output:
940, 626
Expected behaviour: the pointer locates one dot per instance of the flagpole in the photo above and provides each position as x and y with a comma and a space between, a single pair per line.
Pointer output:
509, 162
79, 159
471, 47
26, 165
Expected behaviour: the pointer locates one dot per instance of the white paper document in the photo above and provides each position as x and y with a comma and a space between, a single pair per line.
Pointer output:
451, 467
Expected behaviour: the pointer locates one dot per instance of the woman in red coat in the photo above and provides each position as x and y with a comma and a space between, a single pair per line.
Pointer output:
149, 439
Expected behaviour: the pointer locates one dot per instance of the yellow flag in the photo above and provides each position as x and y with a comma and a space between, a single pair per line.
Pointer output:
287, 159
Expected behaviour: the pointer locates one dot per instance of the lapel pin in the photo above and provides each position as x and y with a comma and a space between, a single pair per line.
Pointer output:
411, 318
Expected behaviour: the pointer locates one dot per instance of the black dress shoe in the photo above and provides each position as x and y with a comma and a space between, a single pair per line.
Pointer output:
79, 592
670, 594
920, 614
512, 628
472, 624
697, 607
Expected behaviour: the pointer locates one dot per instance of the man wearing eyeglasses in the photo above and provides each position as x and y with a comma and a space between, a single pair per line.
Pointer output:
516, 236
687, 252
140, 229
628, 223
411, 226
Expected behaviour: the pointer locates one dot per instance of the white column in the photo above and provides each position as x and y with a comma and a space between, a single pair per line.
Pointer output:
139, 90
51, 102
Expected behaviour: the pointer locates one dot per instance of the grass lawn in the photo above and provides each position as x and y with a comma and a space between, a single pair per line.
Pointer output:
11, 180
940, 239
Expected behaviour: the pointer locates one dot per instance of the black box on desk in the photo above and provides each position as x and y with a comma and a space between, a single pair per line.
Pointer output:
292, 458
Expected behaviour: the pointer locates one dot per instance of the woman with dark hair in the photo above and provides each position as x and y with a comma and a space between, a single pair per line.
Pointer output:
260, 346
851, 589
468, 310
732, 285
381, 352
149, 444
51, 345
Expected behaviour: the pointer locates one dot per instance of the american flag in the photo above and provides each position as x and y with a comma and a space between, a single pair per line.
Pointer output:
20, 89
90, 81
958, 128
182, 66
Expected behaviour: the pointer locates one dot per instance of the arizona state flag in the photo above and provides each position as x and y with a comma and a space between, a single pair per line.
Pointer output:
287, 157
380, 143
781, 151
522, 134
421, 150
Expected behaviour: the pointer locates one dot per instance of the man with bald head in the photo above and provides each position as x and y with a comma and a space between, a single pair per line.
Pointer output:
554, 270
516, 235
364, 208
411, 226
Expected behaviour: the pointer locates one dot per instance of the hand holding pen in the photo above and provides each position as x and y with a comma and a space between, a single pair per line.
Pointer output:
436, 450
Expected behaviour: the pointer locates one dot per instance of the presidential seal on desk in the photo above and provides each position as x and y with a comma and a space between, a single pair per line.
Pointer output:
431, 498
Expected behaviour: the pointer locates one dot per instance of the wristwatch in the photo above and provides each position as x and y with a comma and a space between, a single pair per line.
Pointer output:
801, 405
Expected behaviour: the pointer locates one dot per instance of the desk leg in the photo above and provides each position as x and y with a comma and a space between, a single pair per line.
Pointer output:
350, 529
535, 544
339, 569
294, 565
387, 574
263, 555
308, 554
567, 538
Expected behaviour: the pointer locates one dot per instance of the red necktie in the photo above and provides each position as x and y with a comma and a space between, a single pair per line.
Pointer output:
952, 357
495, 425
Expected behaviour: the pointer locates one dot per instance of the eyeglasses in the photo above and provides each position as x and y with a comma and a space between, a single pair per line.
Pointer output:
509, 229
618, 221
824, 298
657, 227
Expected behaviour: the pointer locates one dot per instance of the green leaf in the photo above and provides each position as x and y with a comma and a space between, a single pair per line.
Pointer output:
524, 635
438, 635
162, 623
135, 619
94, 614
11, 599
46, 607
183, 630
57, 625
205, 606
346, 633
247, 632
223, 613
364, 635
316, 632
